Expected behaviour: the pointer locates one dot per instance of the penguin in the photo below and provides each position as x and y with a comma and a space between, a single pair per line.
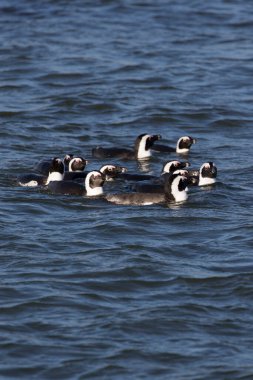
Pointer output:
55, 173
92, 186
76, 168
157, 183
206, 175
183, 146
174, 191
142, 149
158, 187
171, 166
112, 171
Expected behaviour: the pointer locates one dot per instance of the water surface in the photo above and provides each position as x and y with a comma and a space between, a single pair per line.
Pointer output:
90, 290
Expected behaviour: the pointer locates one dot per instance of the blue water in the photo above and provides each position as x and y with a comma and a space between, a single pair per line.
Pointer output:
90, 290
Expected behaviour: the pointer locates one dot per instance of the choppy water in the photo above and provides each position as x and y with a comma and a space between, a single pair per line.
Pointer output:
95, 291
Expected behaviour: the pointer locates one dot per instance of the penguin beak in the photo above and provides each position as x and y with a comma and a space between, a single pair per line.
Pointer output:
155, 137
214, 170
193, 180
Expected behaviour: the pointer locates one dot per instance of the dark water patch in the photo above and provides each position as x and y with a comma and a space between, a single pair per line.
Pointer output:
8, 9
60, 79
10, 114
229, 123
13, 88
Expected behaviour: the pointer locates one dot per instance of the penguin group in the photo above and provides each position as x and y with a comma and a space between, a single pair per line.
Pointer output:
68, 176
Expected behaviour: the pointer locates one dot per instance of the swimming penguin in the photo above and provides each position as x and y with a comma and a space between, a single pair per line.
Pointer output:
55, 173
112, 171
109, 170
76, 168
142, 149
157, 183
92, 186
183, 146
157, 187
174, 191
206, 175
171, 166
